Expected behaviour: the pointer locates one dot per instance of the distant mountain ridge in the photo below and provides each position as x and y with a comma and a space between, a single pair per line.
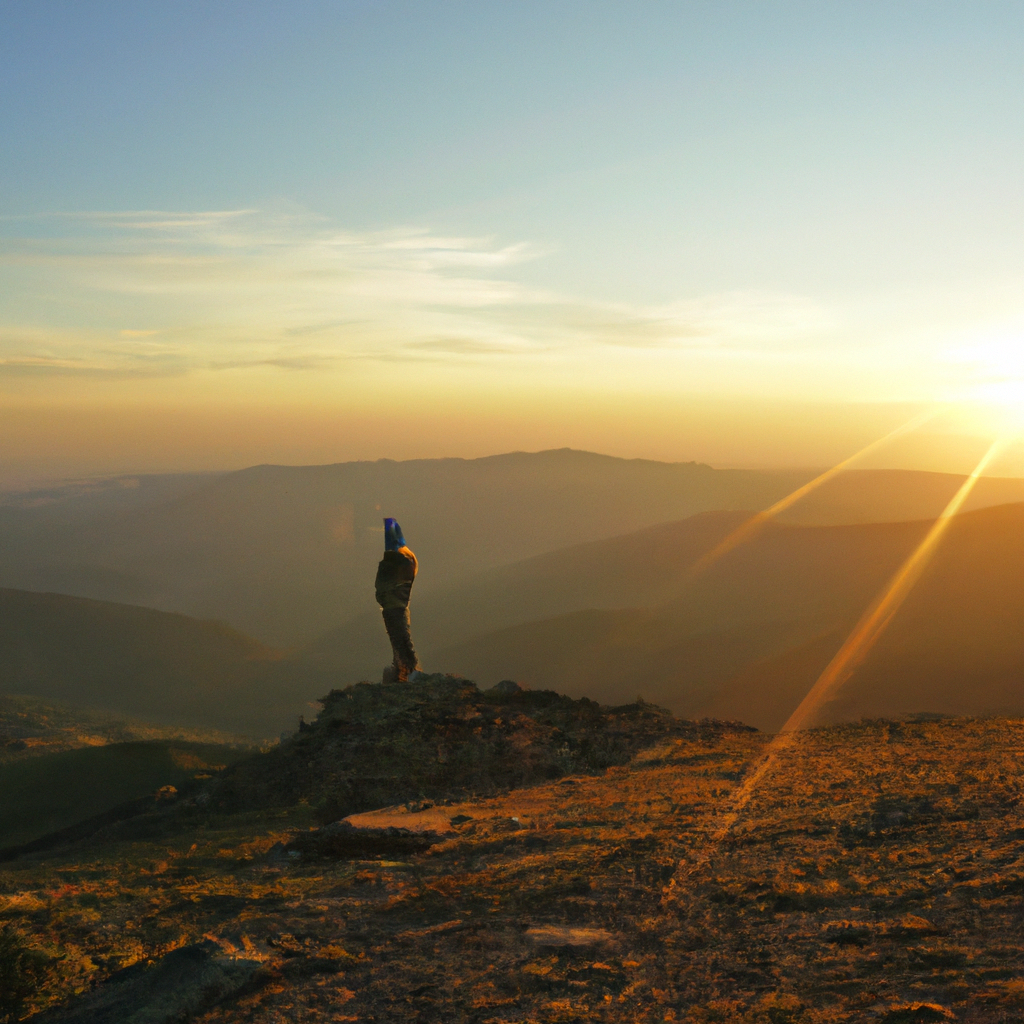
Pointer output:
287, 553
284, 553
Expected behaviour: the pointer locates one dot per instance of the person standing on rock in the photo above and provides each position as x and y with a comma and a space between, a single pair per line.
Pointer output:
395, 575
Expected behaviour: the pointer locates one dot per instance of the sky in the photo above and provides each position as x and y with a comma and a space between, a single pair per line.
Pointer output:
746, 233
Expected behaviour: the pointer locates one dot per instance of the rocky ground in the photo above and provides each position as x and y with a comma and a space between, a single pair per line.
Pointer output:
876, 875
436, 738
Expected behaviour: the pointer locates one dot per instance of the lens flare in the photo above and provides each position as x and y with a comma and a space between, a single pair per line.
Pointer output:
880, 613
852, 653
753, 526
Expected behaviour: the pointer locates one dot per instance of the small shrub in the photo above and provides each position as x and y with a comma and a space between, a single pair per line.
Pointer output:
917, 1013
23, 971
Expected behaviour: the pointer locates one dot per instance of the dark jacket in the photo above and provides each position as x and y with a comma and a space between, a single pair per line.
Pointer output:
395, 573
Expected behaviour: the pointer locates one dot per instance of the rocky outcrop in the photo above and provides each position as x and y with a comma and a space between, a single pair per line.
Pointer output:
441, 737
174, 987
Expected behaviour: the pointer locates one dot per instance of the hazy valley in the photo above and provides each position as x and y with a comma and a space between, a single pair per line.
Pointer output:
561, 570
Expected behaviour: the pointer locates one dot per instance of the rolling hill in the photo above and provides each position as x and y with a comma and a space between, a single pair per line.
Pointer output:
747, 639
611, 573
744, 641
615, 608
134, 661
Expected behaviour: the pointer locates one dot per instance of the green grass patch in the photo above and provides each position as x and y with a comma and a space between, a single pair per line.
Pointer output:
44, 794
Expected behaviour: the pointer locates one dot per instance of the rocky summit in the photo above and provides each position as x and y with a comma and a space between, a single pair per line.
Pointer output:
440, 738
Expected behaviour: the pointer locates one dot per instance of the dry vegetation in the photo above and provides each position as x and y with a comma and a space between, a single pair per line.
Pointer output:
877, 875
30, 727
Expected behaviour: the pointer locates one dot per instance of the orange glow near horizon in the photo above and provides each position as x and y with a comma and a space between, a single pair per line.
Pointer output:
44, 441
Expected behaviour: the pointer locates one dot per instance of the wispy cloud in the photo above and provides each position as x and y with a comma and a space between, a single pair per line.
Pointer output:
463, 347
142, 220
83, 368
234, 289
306, 362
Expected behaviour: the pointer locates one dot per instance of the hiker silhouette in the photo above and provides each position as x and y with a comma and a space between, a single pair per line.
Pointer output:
393, 586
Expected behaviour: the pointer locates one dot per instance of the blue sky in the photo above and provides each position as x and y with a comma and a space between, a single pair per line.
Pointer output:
813, 201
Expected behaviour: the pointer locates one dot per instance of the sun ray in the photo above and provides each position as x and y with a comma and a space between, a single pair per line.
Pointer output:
880, 613
753, 526
852, 653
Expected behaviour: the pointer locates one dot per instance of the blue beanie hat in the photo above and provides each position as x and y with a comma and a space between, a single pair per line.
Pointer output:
393, 539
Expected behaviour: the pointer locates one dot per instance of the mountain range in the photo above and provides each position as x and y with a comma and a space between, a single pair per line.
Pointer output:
286, 552
564, 570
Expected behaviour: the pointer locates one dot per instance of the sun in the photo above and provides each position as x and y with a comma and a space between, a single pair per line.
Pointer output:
990, 391
1002, 392
1001, 404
